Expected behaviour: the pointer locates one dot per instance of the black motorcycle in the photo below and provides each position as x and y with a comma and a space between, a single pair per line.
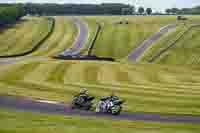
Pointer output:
82, 102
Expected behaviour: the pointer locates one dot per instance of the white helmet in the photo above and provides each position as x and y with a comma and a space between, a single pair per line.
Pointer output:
83, 91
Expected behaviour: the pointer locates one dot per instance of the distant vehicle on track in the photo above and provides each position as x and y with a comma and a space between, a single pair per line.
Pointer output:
181, 18
70, 52
122, 22
73, 54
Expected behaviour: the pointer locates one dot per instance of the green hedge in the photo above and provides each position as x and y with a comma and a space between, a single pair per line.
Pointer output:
10, 13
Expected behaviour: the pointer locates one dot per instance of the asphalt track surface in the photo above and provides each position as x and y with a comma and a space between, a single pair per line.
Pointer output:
82, 37
50, 107
138, 52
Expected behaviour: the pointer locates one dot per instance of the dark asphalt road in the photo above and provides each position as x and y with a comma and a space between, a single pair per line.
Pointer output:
8, 61
29, 105
138, 52
81, 39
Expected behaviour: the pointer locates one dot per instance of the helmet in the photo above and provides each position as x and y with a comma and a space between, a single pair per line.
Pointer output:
83, 91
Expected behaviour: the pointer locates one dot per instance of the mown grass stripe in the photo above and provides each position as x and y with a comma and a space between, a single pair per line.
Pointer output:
8, 41
61, 35
40, 73
61, 38
58, 74
18, 72
38, 44
91, 74
18, 46
68, 38
40, 33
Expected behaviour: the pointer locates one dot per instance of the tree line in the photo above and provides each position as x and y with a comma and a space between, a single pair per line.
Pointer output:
189, 11
10, 13
78, 9
85, 9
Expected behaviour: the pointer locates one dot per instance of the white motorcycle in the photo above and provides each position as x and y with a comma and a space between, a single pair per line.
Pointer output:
109, 105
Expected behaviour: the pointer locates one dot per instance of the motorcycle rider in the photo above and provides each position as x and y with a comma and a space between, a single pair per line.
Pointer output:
82, 100
83, 91
111, 99
83, 95
110, 104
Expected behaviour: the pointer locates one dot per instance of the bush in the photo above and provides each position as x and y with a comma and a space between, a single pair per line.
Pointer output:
10, 13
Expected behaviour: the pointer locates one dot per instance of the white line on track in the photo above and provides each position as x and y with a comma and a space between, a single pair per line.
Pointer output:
46, 101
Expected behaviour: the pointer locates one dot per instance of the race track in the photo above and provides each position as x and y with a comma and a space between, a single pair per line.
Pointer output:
51, 107
138, 52
81, 39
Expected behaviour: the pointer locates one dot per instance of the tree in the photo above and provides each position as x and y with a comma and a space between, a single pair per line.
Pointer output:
174, 10
141, 10
149, 11
194, 10
168, 11
132, 9
128, 10
125, 11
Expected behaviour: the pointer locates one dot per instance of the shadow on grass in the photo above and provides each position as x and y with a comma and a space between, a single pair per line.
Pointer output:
5, 27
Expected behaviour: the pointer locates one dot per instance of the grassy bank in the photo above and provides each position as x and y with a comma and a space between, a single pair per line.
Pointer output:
62, 37
117, 40
184, 50
163, 42
24, 36
171, 89
40, 123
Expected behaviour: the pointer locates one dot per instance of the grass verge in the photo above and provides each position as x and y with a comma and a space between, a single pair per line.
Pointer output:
17, 122
26, 38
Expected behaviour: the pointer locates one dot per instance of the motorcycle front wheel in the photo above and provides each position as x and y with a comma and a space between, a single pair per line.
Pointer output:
116, 110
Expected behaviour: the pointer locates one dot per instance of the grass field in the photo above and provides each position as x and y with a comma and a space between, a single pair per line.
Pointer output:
118, 40
171, 89
154, 88
24, 36
17, 122
62, 37
185, 51
163, 42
